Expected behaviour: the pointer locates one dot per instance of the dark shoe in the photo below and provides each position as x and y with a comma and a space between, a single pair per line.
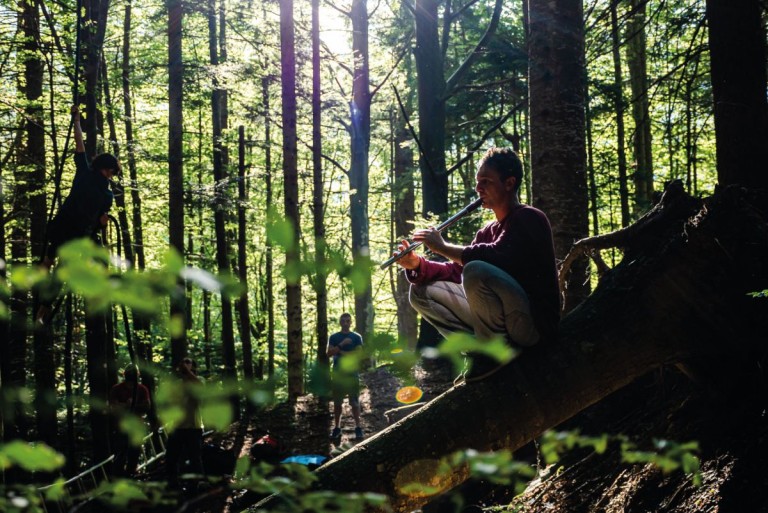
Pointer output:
336, 433
358, 433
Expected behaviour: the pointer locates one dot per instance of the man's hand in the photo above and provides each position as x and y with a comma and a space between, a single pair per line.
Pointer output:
409, 261
431, 238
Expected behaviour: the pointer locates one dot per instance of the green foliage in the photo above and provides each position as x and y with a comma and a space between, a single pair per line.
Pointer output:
556, 443
21, 500
135, 427
759, 294
24, 278
176, 400
668, 456
500, 468
293, 483
32, 457
280, 232
319, 381
457, 345
403, 361
121, 493
496, 467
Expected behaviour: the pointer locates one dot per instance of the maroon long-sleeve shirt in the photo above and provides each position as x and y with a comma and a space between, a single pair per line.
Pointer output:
520, 245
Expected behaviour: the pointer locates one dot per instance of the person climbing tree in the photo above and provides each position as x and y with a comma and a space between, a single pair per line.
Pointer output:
84, 211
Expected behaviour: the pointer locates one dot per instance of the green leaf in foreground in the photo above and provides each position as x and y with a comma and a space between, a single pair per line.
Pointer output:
29, 456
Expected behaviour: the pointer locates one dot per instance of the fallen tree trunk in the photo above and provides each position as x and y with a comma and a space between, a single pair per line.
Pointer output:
684, 300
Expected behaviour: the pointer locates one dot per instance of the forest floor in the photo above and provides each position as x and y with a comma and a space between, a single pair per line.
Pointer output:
304, 428
732, 436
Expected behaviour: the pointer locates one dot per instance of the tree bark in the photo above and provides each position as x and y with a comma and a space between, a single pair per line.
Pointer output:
220, 210
176, 162
291, 198
33, 163
242, 261
556, 96
434, 90
68, 357
360, 135
674, 298
141, 323
618, 105
130, 154
98, 381
737, 56
431, 90
638, 79
92, 33
404, 212
318, 205
269, 256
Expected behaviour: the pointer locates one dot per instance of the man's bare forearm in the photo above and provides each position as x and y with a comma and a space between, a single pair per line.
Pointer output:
79, 142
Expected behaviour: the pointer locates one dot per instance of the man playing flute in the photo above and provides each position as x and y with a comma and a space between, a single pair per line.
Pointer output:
504, 283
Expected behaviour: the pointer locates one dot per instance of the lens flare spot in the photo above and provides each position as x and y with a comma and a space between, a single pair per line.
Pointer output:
408, 395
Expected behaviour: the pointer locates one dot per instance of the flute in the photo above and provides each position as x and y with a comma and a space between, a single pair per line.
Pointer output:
444, 225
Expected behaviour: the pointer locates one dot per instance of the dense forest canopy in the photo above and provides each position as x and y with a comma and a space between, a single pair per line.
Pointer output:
287, 146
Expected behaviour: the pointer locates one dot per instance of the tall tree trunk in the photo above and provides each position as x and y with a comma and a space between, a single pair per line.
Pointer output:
68, 380
122, 215
176, 163
5, 358
268, 260
95, 26
138, 351
130, 154
99, 383
141, 323
223, 96
737, 57
207, 342
618, 105
556, 92
403, 212
33, 163
219, 216
434, 90
431, 91
360, 132
638, 79
291, 199
242, 259
318, 207
15, 377
690, 136
593, 196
